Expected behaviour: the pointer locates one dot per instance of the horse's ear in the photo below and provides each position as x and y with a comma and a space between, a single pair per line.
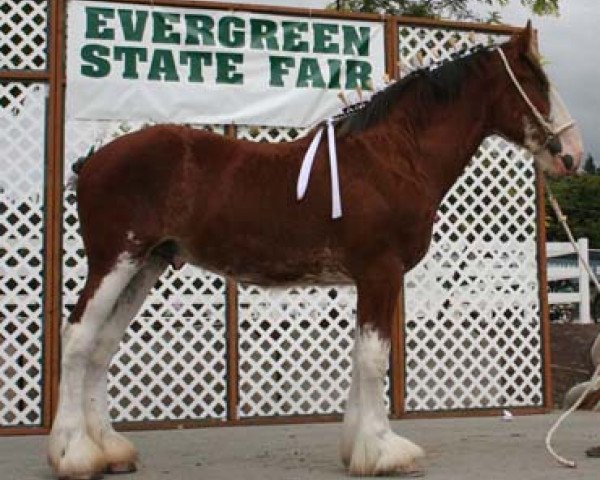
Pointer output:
534, 46
527, 39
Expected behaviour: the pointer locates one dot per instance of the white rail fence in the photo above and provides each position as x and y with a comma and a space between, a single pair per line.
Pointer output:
568, 271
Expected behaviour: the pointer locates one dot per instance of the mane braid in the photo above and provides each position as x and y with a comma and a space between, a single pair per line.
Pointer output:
441, 82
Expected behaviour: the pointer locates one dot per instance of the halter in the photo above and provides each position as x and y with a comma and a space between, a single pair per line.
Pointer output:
552, 132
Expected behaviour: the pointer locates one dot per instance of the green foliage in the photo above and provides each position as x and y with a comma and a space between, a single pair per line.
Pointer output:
542, 7
578, 198
457, 9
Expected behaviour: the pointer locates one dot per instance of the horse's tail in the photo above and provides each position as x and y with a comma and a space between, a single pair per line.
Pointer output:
77, 167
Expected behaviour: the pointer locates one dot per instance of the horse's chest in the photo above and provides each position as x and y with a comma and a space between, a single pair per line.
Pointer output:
413, 233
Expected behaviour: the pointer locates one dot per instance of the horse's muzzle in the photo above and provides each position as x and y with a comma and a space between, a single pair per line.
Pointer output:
554, 146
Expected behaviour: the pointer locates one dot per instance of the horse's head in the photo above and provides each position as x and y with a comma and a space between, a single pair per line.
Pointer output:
530, 111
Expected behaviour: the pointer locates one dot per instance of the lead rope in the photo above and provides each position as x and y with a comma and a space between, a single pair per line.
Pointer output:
563, 220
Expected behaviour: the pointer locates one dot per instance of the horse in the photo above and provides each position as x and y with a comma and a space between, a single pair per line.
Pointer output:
169, 194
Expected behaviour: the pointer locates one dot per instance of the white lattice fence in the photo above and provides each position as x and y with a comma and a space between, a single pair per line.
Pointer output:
22, 162
295, 349
23, 25
172, 360
295, 343
423, 45
473, 332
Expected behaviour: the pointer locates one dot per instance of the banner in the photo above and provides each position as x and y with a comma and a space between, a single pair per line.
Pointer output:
194, 65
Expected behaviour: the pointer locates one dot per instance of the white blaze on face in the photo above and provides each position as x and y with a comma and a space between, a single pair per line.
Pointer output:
562, 122
567, 133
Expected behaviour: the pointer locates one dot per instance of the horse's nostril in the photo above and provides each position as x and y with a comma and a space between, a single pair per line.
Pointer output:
568, 161
554, 146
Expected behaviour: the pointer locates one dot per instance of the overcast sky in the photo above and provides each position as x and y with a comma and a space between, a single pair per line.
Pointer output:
571, 44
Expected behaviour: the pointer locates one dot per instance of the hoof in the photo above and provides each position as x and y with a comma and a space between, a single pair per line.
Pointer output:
120, 468
75, 457
383, 454
412, 471
119, 452
91, 476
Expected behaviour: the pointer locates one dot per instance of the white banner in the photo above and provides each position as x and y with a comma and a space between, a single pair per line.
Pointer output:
194, 65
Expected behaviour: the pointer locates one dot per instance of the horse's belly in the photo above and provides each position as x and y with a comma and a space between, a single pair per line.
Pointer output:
273, 268
288, 278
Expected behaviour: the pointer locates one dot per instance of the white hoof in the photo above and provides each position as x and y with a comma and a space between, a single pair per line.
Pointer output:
384, 453
120, 454
75, 456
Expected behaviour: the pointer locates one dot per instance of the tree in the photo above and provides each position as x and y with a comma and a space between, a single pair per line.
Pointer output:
589, 165
578, 199
458, 9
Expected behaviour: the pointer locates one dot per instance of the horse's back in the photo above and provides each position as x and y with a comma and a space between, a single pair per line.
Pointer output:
175, 182
136, 185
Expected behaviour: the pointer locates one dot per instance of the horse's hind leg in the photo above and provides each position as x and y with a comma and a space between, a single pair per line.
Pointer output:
72, 453
119, 453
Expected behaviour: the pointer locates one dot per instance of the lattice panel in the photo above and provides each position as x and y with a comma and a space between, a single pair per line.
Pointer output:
473, 333
295, 343
22, 161
421, 46
23, 34
271, 134
172, 360
295, 349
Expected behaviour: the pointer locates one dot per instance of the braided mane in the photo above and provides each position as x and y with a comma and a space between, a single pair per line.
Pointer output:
439, 82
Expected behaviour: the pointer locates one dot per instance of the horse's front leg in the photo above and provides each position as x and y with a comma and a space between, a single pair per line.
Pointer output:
369, 447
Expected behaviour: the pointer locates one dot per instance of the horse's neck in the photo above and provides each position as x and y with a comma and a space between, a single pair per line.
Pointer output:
446, 137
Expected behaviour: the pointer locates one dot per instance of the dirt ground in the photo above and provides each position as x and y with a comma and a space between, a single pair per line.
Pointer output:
458, 449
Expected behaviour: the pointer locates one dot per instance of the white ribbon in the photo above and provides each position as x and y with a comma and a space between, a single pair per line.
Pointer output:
336, 200
306, 168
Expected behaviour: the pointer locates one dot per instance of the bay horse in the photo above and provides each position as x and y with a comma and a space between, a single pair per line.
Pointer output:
170, 194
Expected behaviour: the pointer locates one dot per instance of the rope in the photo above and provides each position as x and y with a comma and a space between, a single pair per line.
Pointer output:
549, 127
591, 386
562, 218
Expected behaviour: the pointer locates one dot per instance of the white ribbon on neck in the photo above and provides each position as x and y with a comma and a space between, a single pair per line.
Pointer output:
306, 168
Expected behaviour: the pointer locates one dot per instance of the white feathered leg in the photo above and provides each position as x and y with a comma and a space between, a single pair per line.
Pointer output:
369, 447
119, 453
71, 451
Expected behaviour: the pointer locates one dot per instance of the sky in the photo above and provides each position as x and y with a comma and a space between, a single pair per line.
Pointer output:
569, 42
